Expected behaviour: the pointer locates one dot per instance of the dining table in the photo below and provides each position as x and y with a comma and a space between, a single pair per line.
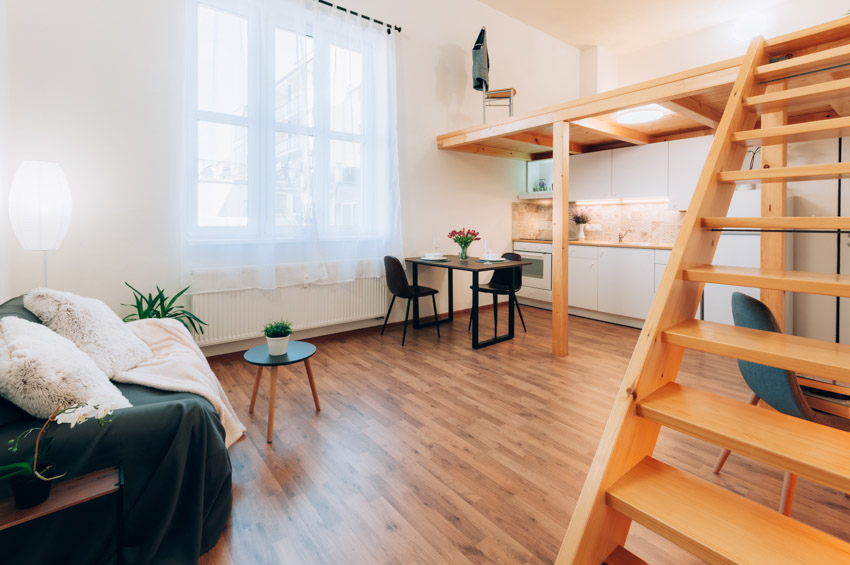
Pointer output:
475, 266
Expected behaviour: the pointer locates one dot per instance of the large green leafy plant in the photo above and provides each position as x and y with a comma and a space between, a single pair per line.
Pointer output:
160, 306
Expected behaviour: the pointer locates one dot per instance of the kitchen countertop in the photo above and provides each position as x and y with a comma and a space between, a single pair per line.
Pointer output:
626, 244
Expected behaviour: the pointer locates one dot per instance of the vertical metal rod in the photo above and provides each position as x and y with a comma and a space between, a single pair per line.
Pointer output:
838, 258
44, 261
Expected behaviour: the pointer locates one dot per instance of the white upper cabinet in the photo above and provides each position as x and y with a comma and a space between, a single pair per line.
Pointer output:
639, 172
590, 176
687, 159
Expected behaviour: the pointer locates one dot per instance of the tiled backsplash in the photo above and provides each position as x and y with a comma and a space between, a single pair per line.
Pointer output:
652, 223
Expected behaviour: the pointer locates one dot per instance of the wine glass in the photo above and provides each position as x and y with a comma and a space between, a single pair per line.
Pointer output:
436, 244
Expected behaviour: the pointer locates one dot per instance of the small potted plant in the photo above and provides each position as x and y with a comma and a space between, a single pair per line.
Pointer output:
581, 217
277, 336
31, 477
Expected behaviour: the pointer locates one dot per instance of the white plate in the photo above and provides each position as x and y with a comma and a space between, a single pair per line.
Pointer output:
496, 260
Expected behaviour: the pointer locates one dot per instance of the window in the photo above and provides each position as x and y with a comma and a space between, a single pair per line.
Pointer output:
296, 142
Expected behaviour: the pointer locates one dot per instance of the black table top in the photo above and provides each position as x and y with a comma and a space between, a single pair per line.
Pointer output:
471, 265
295, 352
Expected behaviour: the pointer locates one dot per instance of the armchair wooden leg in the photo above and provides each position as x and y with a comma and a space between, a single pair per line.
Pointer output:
406, 316
388, 314
753, 400
789, 485
312, 384
256, 388
436, 318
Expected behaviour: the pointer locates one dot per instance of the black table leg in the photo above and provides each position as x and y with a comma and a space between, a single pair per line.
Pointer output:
511, 297
451, 296
474, 313
416, 324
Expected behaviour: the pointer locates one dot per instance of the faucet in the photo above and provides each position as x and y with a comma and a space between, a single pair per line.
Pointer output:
623, 235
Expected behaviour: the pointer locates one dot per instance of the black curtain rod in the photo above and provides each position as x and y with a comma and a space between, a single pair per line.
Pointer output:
390, 27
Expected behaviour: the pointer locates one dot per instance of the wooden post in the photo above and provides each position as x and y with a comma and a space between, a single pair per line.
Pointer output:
774, 202
560, 234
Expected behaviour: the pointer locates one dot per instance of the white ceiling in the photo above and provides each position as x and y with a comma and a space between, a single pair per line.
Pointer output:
623, 26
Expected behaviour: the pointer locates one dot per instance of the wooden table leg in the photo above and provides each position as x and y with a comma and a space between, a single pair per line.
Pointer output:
272, 393
256, 388
312, 384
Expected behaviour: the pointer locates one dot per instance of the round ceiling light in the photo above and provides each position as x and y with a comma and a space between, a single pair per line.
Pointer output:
640, 115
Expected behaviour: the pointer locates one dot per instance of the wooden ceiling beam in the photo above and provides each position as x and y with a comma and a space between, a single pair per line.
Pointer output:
479, 149
695, 110
615, 131
542, 140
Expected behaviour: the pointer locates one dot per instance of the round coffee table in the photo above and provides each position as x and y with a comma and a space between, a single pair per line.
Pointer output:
296, 352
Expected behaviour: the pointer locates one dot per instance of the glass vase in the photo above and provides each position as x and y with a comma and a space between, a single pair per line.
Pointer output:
464, 252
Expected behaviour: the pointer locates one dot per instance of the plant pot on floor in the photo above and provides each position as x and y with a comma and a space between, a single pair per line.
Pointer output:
31, 491
278, 345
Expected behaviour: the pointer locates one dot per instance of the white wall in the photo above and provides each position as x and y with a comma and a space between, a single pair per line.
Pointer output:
5, 236
95, 86
720, 42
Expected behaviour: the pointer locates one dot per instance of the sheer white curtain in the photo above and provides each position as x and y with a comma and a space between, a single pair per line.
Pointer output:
294, 134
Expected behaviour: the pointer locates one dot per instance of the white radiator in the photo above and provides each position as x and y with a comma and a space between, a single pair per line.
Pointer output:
234, 315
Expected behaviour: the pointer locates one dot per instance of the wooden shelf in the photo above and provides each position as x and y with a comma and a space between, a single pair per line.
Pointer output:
801, 354
829, 171
622, 556
63, 495
715, 524
779, 223
792, 281
791, 444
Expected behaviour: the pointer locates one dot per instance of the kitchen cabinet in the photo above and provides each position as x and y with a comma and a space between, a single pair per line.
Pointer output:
538, 173
661, 258
590, 176
626, 280
640, 171
582, 277
686, 159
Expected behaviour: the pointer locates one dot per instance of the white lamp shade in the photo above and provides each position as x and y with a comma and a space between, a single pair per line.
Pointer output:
40, 205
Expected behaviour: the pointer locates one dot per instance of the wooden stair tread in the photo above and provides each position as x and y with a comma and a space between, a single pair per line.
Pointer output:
801, 354
622, 556
799, 98
803, 64
715, 524
793, 281
794, 133
805, 448
829, 171
779, 223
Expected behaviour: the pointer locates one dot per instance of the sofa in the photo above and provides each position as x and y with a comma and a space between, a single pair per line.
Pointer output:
177, 492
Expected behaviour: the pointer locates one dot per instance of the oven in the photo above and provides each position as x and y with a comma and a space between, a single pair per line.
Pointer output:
536, 277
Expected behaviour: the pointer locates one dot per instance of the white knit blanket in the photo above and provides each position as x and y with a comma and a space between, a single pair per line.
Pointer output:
179, 365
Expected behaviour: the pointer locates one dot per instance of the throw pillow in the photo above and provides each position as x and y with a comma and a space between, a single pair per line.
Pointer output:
92, 326
40, 370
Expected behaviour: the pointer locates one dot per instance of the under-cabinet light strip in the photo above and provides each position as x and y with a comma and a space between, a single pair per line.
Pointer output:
659, 200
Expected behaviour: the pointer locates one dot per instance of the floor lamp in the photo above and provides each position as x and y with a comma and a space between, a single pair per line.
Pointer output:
40, 207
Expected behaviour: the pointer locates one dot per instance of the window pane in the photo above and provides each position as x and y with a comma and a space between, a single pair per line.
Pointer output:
222, 62
293, 203
346, 90
293, 78
222, 175
345, 206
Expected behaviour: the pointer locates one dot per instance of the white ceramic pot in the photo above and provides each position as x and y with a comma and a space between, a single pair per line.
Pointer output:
581, 235
278, 345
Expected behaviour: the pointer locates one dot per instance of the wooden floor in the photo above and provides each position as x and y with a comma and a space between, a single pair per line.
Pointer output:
436, 453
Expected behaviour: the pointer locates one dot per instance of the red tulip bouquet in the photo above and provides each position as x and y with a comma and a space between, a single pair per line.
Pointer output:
464, 238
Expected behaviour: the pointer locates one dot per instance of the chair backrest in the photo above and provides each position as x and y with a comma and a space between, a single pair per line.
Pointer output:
777, 387
396, 277
502, 277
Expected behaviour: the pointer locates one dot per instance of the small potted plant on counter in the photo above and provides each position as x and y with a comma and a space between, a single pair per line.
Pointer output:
581, 217
277, 336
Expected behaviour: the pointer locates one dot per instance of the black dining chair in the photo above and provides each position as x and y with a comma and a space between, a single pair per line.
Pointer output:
500, 285
399, 287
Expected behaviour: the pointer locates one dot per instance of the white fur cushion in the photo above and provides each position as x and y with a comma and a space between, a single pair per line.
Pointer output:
92, 326
40, 370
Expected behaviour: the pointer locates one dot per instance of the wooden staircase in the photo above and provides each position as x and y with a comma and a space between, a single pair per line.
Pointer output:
624, 482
